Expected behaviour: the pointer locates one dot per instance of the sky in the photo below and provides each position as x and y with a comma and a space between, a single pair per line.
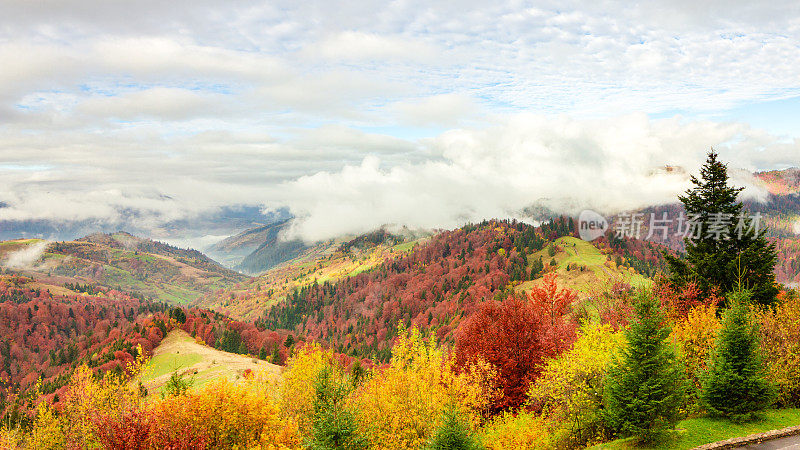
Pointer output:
353, 115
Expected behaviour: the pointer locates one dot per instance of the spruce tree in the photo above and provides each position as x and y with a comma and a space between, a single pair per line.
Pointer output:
453, 433
644, 390
736, 385
725, 248
334, 425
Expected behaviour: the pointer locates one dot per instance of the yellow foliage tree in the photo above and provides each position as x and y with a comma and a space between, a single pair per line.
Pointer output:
297, 391
570, 388
780, 329
86, 397
227, 415
47, 431
695, 337
401, 406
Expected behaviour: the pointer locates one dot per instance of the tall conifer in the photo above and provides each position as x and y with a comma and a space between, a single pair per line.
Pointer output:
725, 244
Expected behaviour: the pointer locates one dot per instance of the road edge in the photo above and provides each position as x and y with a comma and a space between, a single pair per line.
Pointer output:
751, 439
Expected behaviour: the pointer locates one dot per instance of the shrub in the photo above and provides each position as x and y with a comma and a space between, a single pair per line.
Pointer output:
781, 328
736, 384
90, 402
643, 391
570, 389
224, 415
679, 301
521, 431
129, 431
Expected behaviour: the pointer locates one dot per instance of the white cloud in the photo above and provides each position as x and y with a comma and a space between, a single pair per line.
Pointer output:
445, 110
157, 111
159, 102
355, 46
26, 258
562, 163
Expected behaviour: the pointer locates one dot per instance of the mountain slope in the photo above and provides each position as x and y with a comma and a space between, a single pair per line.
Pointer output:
327, 261
180, 352
781, 181
435, 285
121, 261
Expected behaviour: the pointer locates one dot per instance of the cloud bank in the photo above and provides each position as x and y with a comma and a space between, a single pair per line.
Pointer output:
426, 114
528, 160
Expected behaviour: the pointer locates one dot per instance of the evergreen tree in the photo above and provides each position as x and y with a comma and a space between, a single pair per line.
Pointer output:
453, 433
736, 383
644, 390
724, 248
334, 426
275, 358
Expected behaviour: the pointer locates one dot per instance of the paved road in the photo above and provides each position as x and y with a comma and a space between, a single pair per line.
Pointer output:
787, 443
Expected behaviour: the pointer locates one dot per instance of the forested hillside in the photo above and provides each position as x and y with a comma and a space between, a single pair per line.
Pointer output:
121, 261
46, 335
435, 286
327, 261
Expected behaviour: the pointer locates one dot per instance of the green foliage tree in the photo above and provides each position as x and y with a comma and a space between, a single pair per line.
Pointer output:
453, 433
736, 384
334, 425
643, 390
725, 240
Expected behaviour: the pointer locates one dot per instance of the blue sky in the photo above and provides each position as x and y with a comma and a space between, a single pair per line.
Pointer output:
351, 114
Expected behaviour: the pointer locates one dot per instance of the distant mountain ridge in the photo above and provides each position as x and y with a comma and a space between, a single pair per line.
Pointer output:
778, 182
257, 250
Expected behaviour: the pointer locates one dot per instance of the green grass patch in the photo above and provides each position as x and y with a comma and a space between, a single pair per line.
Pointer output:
168, 363
691, 433
405, 246
19, 242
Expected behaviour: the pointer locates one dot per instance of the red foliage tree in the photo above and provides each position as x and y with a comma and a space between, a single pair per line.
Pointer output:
677, 302
130, 431
516, 336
